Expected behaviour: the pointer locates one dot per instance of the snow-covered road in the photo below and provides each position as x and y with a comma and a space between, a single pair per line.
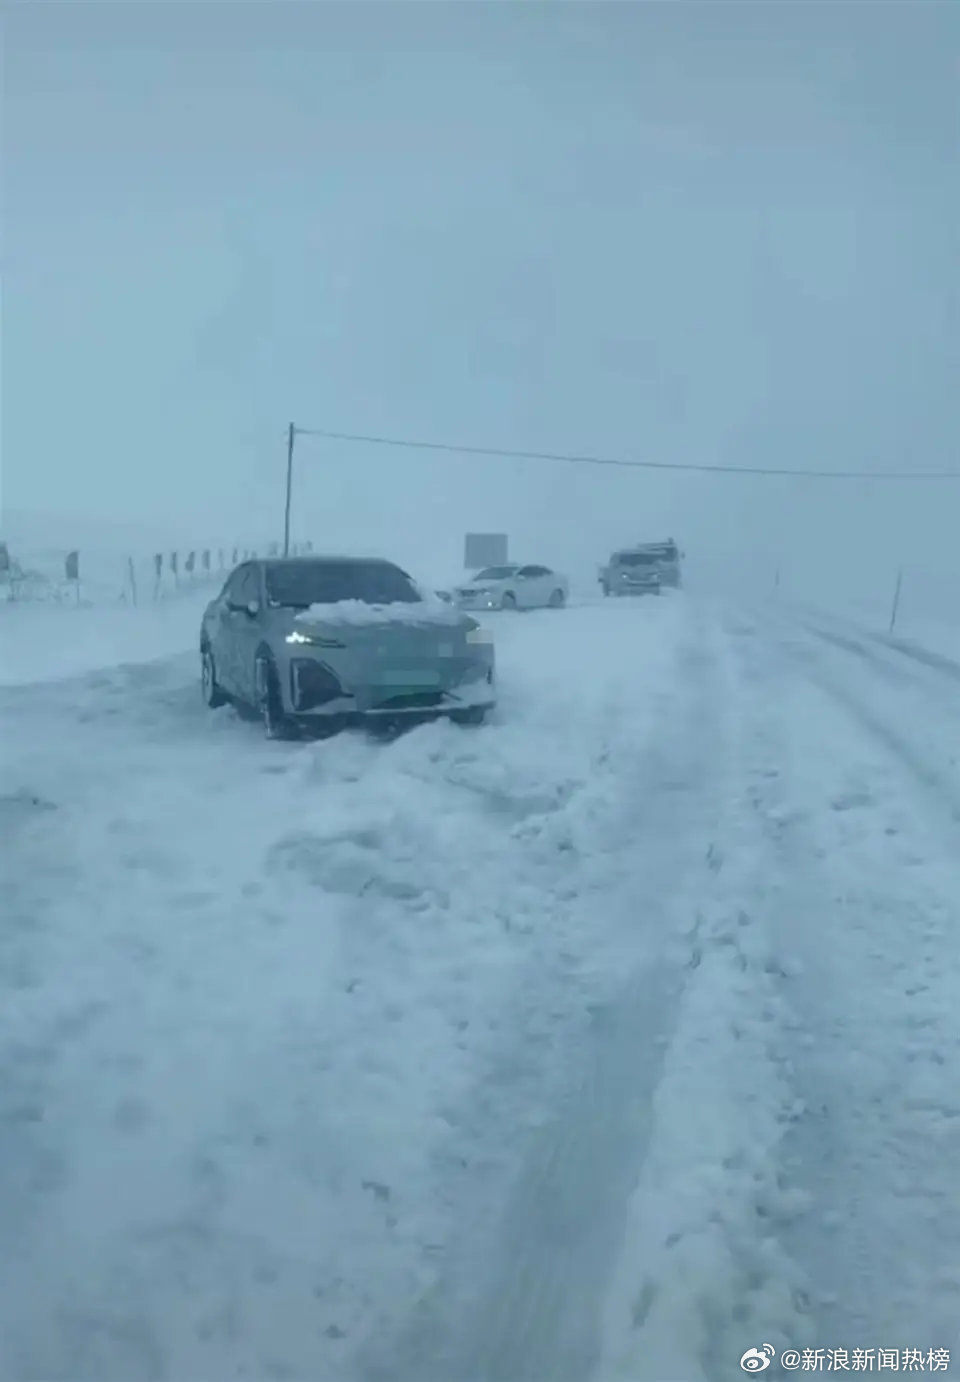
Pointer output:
609, 1040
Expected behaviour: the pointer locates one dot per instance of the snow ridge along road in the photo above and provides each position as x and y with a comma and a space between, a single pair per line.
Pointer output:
610, 1040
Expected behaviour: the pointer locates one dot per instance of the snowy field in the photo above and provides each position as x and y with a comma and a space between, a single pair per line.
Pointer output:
41, 641
600, 1044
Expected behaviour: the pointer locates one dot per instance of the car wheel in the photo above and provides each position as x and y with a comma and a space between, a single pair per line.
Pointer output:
474, 716
213, 696
605, 588
509, 601
269, 701
557, 600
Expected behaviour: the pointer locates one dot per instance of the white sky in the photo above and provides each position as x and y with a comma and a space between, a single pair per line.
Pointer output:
707, 232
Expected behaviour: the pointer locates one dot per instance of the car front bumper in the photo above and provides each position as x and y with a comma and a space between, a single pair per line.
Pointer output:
475, 601
636, 588
314, 692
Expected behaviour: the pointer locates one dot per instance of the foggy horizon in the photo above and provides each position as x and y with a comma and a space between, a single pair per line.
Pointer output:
720, 236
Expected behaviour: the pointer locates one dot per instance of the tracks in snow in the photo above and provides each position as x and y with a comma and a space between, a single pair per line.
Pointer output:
925, 737
864, 819
523, 1291
726, 1133
633, 1234
708, 1089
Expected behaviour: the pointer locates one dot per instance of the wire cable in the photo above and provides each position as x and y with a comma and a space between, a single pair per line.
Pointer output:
564, 459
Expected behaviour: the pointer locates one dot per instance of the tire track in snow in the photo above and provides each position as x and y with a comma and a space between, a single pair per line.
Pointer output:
933, 676
705, 1270
947, 667
535, 1308
939, 662
919, 761
873, 1029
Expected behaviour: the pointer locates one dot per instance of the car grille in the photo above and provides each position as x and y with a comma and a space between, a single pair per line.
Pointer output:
411, 700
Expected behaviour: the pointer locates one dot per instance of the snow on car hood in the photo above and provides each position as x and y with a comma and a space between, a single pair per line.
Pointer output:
401, 612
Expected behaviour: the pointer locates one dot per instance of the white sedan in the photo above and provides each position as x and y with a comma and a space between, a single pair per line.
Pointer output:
514, 587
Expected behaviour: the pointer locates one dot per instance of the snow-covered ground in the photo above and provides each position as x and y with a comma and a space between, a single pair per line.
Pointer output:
924, 635
604, 1042
42, 641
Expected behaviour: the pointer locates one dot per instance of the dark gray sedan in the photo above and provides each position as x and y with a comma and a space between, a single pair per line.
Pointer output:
330, 641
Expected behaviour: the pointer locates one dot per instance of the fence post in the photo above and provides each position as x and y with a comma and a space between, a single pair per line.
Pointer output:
896, 600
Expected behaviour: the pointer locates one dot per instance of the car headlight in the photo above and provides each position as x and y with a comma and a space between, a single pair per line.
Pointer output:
312, 640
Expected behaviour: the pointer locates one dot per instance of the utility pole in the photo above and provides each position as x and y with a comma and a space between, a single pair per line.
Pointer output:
291, 434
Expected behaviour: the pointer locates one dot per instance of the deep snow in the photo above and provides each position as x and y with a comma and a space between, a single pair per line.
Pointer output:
42, 641
611, 1039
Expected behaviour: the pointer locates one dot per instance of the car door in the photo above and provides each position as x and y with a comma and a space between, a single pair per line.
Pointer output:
534, 581
234, 629
547, 582
221, 626
247, 632
526, 587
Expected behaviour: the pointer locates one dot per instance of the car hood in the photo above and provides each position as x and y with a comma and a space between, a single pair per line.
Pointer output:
357, 615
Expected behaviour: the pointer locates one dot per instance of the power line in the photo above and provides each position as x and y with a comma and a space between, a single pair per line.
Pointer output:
560, 458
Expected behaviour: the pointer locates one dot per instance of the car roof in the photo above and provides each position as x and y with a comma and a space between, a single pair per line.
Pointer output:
648, 548
325, 558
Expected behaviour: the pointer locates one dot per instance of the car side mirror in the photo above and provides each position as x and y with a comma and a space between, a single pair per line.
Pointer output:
248, 607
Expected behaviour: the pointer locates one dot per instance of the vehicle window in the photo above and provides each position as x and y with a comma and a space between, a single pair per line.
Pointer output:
636, 559
495, 573
233, 590
249, 586
299, 584
229, 586
242, 586
532, 571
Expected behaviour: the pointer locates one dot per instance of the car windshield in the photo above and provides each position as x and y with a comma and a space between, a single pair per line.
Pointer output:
299, 584
636, 559
495, 573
